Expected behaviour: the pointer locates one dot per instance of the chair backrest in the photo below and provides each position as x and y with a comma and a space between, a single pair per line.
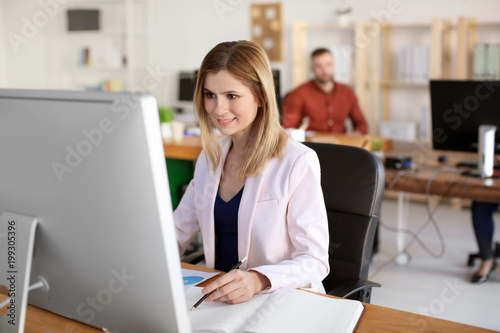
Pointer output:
353, 181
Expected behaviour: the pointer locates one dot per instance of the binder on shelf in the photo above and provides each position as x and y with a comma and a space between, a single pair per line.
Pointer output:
402, 74
493, 62
479, 61
420, 64
342, 59
408, 64
426, 58
83, 57
413, 64
417, 63
423, 126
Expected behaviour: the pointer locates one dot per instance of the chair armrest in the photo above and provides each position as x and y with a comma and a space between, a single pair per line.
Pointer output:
351, 287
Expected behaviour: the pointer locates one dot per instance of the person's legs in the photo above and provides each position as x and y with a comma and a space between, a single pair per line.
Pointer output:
482, 221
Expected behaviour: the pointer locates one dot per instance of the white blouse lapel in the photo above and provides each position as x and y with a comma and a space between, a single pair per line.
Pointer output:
211, 186
246, 214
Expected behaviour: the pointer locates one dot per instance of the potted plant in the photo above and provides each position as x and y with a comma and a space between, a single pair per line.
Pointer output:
166, 116
343, 13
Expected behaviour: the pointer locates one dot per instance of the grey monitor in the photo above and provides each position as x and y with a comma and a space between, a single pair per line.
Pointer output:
90, 167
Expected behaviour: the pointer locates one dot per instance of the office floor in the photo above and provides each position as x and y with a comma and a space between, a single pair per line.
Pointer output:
438, 287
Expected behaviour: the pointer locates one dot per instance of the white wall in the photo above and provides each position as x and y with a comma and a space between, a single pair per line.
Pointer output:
187, 30
26, 59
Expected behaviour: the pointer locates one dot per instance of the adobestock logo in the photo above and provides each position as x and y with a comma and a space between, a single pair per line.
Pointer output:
93, 138
262, 312
367, 34
394, 7
87, 310
120, 110
449, 294
74, 156
31, 27
223, 6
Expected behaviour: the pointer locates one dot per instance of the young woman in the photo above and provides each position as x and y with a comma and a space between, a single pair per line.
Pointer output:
255, 192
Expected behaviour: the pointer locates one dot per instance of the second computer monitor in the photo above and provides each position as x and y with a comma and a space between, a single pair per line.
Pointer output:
458, 108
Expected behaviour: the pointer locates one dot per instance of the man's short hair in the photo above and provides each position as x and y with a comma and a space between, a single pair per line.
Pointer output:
320, 51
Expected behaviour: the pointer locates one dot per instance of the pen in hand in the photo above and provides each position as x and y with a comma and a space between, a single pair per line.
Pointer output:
210, 293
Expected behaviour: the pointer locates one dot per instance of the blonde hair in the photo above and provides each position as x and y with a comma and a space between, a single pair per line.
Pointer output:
248, 63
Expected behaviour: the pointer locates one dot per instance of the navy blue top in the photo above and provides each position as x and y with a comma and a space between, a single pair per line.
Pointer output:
226, 231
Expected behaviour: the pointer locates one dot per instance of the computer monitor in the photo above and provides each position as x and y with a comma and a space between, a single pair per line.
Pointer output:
458, 108
90, 168
187, 84
277, 88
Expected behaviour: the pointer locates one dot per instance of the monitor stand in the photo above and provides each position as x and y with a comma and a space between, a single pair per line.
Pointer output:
17, 237
473, 173
486, 152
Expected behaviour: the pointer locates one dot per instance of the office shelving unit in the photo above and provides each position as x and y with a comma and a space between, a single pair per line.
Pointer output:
127, 26
437, 34
468, 31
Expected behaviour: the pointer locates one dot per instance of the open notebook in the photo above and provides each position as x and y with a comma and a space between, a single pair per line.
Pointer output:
285, 310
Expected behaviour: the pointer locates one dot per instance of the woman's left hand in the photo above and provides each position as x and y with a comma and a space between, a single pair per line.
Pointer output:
236, 287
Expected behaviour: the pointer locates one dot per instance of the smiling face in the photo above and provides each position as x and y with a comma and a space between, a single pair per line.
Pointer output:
230, 104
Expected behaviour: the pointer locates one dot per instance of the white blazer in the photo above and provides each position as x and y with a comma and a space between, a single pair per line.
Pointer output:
282, 221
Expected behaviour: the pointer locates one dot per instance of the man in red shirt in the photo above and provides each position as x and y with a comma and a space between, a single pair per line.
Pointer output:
325, 102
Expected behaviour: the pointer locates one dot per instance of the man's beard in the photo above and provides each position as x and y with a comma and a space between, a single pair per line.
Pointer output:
324, 81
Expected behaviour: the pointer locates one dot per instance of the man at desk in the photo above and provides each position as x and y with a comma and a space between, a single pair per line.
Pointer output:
327, 103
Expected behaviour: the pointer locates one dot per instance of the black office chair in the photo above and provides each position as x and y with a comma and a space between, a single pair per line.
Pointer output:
353, 180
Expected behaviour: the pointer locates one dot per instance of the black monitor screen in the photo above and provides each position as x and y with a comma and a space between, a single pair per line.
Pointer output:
458, 108
187, 83
277, 87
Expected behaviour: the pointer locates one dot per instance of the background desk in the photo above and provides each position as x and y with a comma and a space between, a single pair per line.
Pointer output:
375, 319
449, 184
441, 179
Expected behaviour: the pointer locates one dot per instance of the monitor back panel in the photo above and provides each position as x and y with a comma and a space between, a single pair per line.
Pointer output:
91, 167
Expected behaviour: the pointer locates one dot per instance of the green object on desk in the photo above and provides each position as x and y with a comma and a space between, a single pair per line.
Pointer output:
166, 114
376, 144
180, 173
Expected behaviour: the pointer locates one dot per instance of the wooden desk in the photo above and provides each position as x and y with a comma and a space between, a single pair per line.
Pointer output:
447, 184
190, 147
442, 179
375, 319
